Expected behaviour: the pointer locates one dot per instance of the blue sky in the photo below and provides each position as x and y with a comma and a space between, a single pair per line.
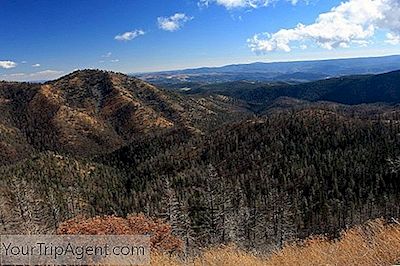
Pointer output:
43, 39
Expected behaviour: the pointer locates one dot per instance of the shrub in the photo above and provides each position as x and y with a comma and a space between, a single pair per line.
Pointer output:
161, 237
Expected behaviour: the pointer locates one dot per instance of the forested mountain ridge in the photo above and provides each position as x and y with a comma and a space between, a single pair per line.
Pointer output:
90, 112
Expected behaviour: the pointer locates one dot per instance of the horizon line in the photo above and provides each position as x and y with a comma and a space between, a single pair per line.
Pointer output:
262, 62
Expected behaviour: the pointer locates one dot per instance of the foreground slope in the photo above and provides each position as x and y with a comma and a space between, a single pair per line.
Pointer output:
374, 243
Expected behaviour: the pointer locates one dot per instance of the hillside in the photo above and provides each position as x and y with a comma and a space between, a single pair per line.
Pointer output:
315, 171
14, 143
258, 183
91, 112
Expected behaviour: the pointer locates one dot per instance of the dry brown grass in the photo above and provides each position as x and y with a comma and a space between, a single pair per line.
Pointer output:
375, 243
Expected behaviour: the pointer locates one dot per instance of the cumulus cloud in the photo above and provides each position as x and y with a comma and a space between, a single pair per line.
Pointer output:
392, 38
352, 22
173, 23
232, 4
36, 76
129, 35
7, 64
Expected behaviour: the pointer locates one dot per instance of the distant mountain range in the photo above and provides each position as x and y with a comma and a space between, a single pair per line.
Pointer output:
300, 71
349, 90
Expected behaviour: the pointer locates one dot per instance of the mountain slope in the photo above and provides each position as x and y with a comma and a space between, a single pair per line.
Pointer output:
93, 112
266, 181
14, 144
263, 181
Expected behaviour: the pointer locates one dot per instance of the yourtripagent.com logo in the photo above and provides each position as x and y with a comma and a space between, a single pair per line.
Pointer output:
74, 250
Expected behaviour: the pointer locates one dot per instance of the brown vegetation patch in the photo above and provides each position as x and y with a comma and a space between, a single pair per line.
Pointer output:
161, 237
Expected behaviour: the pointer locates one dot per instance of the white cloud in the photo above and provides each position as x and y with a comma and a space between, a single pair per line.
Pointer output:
107, 55
362, 43
392, 38
173, 23
109, 61
232, 4
7, 64
15, 75
352, 22
36, 65
303, 47
46, 74
130, 35
36, 76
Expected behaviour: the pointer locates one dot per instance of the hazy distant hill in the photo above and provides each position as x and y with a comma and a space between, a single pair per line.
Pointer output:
280, 71
345, 90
